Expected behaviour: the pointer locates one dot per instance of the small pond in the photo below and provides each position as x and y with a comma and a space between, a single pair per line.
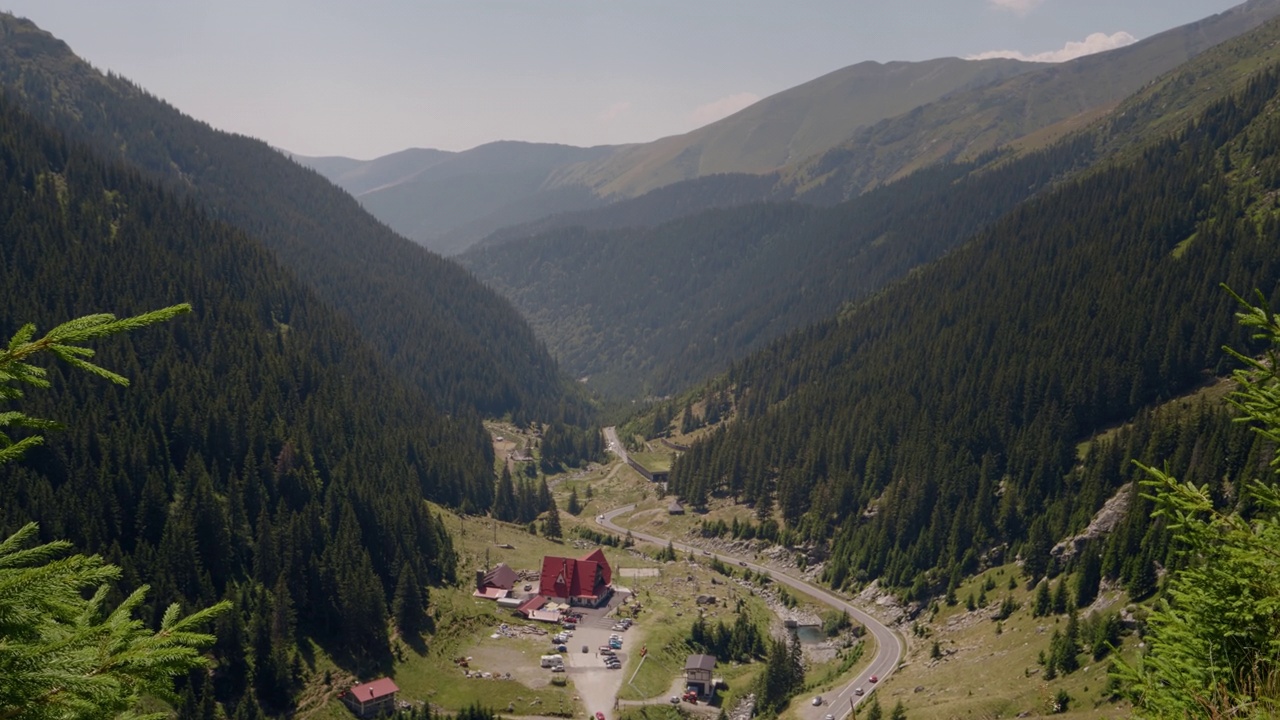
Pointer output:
810, 634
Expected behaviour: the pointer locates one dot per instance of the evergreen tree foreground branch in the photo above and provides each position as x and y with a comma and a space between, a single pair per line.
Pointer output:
1214, 639
62, 654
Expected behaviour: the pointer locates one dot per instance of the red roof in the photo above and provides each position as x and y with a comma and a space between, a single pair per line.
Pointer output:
569, 578
533, 603
374, 690
598, 557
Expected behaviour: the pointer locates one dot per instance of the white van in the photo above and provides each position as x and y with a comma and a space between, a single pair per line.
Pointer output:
552, 660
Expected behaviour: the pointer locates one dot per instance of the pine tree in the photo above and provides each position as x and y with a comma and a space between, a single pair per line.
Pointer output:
409, 606
1043, 602
573, 507
1060, 601
899, 712
875, 712
1089, 579
505, 507
551, 528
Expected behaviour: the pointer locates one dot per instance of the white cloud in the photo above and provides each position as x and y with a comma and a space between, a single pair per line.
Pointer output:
724, 107
1095, 43
1021, 7
614, 111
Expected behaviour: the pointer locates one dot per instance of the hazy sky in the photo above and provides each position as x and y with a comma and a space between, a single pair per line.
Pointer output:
368, 77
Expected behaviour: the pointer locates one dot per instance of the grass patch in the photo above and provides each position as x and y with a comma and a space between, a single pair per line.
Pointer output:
1181, 248
653, 461
822, 676
985, 673
655, 712
463, 628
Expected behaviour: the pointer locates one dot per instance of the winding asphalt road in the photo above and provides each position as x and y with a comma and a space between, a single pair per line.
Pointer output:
889, 648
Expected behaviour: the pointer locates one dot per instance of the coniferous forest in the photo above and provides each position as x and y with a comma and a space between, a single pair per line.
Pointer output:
941, 418
264, 453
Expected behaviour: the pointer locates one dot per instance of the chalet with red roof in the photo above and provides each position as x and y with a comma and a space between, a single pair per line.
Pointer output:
372, 699
586, 581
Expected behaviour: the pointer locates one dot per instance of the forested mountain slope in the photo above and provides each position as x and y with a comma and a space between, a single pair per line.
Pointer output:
263, 452
940, 419
653, 309
429, 319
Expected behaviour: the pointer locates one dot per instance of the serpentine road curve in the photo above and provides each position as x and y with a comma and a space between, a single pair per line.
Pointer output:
889, 648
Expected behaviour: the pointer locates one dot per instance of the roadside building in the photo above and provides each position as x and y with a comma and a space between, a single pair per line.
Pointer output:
697, 674
372, 699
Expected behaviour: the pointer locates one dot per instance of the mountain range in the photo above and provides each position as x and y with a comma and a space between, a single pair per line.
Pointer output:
823, 141
649, 295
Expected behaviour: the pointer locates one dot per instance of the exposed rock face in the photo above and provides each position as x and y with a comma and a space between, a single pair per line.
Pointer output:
1112, 512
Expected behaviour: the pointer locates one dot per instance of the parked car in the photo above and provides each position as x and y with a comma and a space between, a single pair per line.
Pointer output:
562, 648
599, 715
817, 700
675, 700
585, 649
557, 668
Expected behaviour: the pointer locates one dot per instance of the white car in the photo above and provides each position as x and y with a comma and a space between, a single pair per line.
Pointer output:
859, 691
817, 700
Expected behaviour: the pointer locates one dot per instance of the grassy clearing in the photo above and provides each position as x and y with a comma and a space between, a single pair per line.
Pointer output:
462, 630
669, 610
985, 673
1213, 392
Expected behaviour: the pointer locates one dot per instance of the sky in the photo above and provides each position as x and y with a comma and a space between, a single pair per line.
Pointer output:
363, 78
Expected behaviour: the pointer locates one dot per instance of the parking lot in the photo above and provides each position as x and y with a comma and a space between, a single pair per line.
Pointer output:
597, 684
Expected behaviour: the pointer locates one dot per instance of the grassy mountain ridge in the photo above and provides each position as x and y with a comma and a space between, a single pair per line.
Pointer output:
454, 203
361, 176
795, 123
966, 125
438, 327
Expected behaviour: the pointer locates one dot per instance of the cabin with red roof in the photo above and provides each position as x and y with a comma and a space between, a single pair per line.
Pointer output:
495, 584
372, 699
585, 581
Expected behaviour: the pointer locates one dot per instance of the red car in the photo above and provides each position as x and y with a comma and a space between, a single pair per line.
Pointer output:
875, 678
599, 715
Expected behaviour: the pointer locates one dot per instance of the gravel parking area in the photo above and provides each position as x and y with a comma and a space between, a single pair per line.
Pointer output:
596, 684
